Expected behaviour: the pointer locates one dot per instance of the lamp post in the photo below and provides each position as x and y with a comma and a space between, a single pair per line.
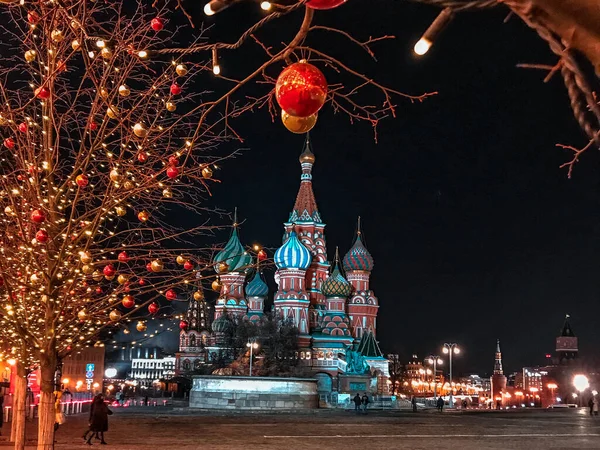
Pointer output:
552, 387
251, 344
450, 349
435, 360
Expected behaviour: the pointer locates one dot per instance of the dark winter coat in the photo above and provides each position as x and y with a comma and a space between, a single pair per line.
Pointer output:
99, 417
357, 399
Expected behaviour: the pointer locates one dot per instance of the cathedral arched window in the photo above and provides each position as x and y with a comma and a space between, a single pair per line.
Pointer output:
186, 364
183, 340
193, 340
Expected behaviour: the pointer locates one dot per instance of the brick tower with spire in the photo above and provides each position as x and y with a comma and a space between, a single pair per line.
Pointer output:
498, 379
567, 346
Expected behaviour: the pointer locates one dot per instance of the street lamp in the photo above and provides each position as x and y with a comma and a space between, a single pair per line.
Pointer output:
581, 383
450, 349
251, 344
435, 360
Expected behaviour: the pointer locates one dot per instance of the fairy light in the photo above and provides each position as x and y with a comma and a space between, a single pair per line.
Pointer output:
215, 62
437, 26
266, 6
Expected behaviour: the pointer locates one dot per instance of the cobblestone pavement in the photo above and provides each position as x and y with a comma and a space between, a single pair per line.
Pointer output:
165, 428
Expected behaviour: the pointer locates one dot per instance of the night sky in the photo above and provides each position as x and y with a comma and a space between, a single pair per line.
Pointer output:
476, 232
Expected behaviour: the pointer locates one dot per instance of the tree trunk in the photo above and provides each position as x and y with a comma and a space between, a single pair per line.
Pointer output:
46, 411
17, 434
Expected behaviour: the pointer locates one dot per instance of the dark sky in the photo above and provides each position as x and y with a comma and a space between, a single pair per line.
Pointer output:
476, 232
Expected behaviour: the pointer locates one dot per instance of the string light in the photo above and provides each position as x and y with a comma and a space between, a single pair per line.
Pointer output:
441, 21
266, 6
216, 6
215, 62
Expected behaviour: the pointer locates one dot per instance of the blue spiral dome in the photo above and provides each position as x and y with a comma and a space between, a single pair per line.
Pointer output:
257, 287
293, 254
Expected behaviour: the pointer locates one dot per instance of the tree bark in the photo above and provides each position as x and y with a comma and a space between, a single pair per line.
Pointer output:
17, 433
46, 411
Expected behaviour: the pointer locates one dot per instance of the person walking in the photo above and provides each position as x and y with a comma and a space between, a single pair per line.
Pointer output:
413, 402
357, 401
59, 416
98, 419
440, 403
595, 405
365, 402
591, 405
89, 430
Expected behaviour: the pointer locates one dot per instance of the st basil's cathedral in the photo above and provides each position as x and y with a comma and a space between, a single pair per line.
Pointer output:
332, 304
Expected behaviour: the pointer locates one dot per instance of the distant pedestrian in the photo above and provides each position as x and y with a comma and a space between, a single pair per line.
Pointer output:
365, 403
440, 403
59, 416
98, 419
464, 403
591, 406
413, 402
89, 430
357, 402
595, 405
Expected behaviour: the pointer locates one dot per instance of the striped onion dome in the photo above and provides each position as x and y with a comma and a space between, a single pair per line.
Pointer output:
336, 285
293, 254
222, 324
234, 255
358, 257
257, 287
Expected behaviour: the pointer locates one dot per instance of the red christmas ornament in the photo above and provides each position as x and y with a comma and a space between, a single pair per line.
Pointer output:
153, 308
142, 157
109, 270
23, 127
9, 143
93, 126
148, 268
262, 255
301, 89
123, 257
41, 236
82, 180
188, 265
175, 89
173, 161
33, 17
128, 301
183, 325
142, 282
38, 216
42, 93
172, 172
157, 24
171, 294
98, 290
325, 4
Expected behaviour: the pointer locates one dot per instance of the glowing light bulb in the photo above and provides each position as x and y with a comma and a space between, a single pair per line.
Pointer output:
422, 46
265, 6
143, 54
100, 43
216, 69
208, 10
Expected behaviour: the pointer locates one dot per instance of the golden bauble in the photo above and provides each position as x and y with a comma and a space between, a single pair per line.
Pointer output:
115, 315
106, 53
143, 216
128, 185
122, 278
87, 269
82, 314
109, 277
75, 45
34, 278
198, 295
207, 172
57, 35
167, 193
181, 69
85, 257
141, 327
124, 90
97, 275
114, 175
3, 121
30, 55
156, 265
121, 211
298, 125
103, 93
140, 130
75, 25
216, 285
112, 112
171, 106
222, 267
8, 211
180, 260
126, 331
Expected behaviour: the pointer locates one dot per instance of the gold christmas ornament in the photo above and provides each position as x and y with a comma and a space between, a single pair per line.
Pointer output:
126, 331
82, 314
171, 106
109, 277
124, 90
156, 265
141, 326
122, 278
139, 130
30, 55
87, 269
34, 278
298, 125
57, 35
216, 285
128, 185
85, 257
103, 92
3, 121
143, 216
198, 295
180, 260
121, 211
75, 25
222, 267
181, 69
207, 172
167, 193
114, 175
97, 275
106, 53
75, 45
112, 112
115, 315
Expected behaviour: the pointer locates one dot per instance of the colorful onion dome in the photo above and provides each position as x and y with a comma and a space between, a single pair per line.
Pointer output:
358, 257
336, 285
307, 155
293, 254
234, 255
223, 324
257, 287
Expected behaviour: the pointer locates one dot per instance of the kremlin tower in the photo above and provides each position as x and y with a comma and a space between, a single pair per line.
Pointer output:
498, 380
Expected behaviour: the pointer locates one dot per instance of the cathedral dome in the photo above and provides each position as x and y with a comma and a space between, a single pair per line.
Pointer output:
223, 324
358, 257
233, 255
257, 287
293, 254
336, 285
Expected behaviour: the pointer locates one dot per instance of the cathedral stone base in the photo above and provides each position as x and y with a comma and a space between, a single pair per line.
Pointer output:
352, 384
248, 393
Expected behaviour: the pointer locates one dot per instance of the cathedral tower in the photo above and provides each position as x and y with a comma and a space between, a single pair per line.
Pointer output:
566, 344
194, 338
256, 292
498, 380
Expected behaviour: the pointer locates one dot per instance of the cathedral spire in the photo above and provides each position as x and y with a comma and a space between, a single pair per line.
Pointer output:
305, 208
567, 331
498, 362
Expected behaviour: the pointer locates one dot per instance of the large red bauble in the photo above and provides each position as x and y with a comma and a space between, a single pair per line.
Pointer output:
93, 126
262, 255
128, 301
38, 216
23, 127
183, 325
171, 294
142, 282
42, 93
82, 180
109, 270
41, 236
9, 143
173, 161
175, 89
188, 265
33, 17
123, 257
153, 308
157, 24
142, 157
301, 89
325, 4
172, 172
